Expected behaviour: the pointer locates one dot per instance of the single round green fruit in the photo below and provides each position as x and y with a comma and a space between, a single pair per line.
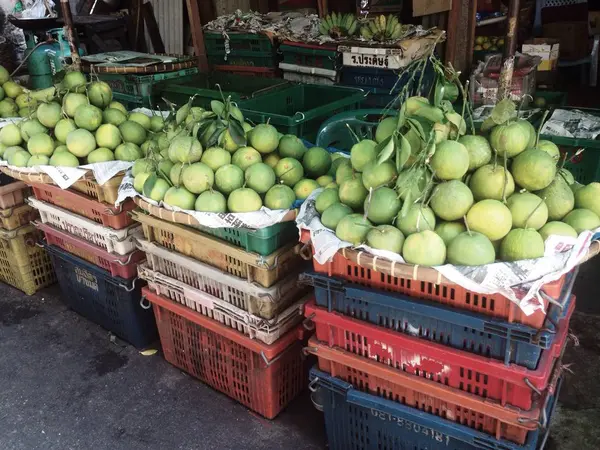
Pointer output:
143, 165
375, 175
264, 138
100, 155
185, 149
588, 197
272, 159
509, 140
72, 102
41, 144
38, 160
490, 217
74, 82
332, 215
382, 205
385, 129
81, 142
10, 135
119, 106
197, 177
63, 128
228, 178
418, 218
245, 157
8, 108
289, 171
100, 94
291, 146
527, 210
362, 153
175, 174
148, 147
12, 90
139, 180
108, 136
558, 229
244, 200
64, 159
531, 130
280, 196
157, 123
212, 202
228, 143
424, 248
4, 75
549, 147
324, 180
133, 132
449, 230
480, 151
141, 118
559, 198
567, 176
32, 127
325, 199
344, 171
386, 237
215, 157
165, 167
353, 193
582, 219
316, 162
128, 152
489, 182
11, 150
156, 190
471, 249
304, 187
19, 158
259, 177
450, 160
451, 200
113, 116
353, 228
180, 197
534, 169
522, 244
49, 114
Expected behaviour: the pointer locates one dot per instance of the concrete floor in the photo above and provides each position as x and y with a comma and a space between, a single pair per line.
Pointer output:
65, 385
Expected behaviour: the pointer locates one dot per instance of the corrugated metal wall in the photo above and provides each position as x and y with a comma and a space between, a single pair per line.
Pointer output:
169, 15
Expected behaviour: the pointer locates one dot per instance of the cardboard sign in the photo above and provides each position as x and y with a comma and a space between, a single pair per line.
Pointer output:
545, 48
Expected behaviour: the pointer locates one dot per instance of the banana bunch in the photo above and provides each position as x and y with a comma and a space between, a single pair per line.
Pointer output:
382, 28
338, 25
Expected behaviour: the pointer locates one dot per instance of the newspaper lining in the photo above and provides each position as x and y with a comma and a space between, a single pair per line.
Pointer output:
572, 123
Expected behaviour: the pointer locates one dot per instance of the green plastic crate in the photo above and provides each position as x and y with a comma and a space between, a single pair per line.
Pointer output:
585, 167
301, 109
243, 58
131, 101
141, 85
311, 56
205, 89
245, 42
264, 241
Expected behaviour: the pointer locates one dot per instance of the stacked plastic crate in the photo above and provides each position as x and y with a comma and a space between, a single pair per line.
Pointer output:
422, 363
23, 264
228, 307
93, 248
310, 63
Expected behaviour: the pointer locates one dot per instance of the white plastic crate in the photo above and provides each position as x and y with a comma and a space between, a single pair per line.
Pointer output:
265, 303
267, 331
120, 242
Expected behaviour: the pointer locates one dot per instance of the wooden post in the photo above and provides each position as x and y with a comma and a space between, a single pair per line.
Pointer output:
197, 34
451, 32
68, 18
323, 7
510, 45
472, 25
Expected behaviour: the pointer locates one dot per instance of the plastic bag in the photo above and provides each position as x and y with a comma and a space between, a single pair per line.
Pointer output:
36, 9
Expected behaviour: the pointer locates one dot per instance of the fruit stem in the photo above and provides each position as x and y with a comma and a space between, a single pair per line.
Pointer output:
354, 136
505, 179
467, 224
368, 204
539, 130
532, 212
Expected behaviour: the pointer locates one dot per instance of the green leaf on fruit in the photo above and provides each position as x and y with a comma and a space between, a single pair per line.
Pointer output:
149, 185
236, 131
217, 107
504, 110
385, 149
404, 153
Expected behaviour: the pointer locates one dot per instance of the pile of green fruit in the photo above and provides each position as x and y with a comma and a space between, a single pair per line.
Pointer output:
382, 28
489, 43
214, 161
338, 25
428, 191
76, 123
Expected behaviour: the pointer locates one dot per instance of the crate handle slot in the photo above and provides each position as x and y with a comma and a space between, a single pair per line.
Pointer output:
313, 385
278, 357
10, 213
308, 323
145, 303
531, 386
118, 261
307, 351
110, 212
305, 252
129, 289
301, 115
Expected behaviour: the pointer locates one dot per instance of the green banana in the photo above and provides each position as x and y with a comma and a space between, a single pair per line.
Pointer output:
348, 22
382, 23
329, 22
335, 19
323, 29
366, 33
389, 26
397, 32
373, 27
353, 28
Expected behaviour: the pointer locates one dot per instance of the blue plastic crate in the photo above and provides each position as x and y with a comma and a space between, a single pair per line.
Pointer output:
360, 421
463, 330
111, 302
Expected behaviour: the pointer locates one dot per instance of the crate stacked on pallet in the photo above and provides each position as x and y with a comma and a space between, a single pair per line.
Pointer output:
249, 54
228, 307
404, 363
23, 264
310, 63
93, 248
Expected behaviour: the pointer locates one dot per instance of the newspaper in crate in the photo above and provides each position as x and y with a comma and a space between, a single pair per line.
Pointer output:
253, 220
572, 123
519, 281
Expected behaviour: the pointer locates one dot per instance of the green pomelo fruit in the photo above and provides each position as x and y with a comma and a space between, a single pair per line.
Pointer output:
228, 143
451, 200
375, 175
12, 90
155, 189
325, 199
64, 159
450, 160
386, 237
385, 129
180, 197
216, 157
264, 138
99, 155
480, 152
74, 82
211, 201
441, 131
245, 157
12, 150
490, 217
304, 187
291, 146
185, 149
72, 102
362, 153
533, 169
522, 244
142, 119
157, 123
119, 106
182, 113
424, 248
197, 177
550, 148
272, 159
509, 140
41, 144
567, 176
100, 94
148, 147
558, 197
143, 165
2, 147
417, 218
588, 197
531, 130
316, 162
243, 200
8, 108
557, 228
259, 177
353, 228
353, 193
19, 158
289, 171
81, 142
175, 174
133, 132
49, 114
38, 160
165, 167
324, 180
344, 171
582, 219
382, 206
527, 210
228, 178
32, 127
108, 136
4, 75
139, 180
10, 135
335, 163
332, 215
449, 230
575, 187
63, 128
25, 101
128, 152
113, 116
489, 182
280, 196
163, 141
471, 249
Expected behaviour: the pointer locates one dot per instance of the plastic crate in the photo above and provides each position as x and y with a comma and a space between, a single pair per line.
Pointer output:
493, 305
585, 167
121, 242
141, 85
17, 216
488, 337
265, 303
311, 55
300, 77
111, 302
106, 193
119, 266
361, 421
300, 109
247, 71
23, 264
107, 215
264, 378
12, 194
264, 270
244, 58
216, 43
389, 81
231, 316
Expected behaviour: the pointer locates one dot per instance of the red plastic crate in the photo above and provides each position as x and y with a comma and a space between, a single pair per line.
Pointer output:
494, 305
249, 71
124, 266
77, 202
483, 377
265, 378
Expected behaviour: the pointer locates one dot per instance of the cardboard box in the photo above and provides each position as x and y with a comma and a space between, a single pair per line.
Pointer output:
426, 7
594, 19
574, 38
545, 48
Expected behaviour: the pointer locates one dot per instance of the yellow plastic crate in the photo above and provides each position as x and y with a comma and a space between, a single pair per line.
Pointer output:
23, 264
264, 270
107, 192
13, 218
